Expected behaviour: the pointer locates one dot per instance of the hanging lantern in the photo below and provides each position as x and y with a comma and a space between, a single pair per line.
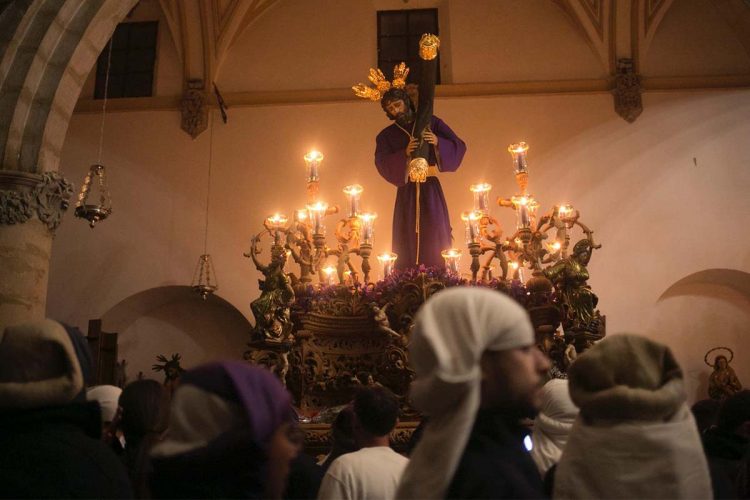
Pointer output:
90, 211
204, 280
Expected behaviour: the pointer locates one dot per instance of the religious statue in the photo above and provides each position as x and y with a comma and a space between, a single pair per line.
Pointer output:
569, 276
380, 318
723, 382
272, 310
171, 368
409, 154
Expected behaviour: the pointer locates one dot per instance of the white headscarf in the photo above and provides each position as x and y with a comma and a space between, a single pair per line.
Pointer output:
108, 397
552, 424
452, 331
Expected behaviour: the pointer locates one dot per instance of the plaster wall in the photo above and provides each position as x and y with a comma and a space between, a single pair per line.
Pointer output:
665, 196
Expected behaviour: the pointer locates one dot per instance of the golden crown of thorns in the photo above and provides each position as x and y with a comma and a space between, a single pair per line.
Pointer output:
381, 83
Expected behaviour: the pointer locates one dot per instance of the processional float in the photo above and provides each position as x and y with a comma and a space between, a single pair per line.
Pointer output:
330, 327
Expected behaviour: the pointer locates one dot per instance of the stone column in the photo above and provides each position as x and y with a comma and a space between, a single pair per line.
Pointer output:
31, 208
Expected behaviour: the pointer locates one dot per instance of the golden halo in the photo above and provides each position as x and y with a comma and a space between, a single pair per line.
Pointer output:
731, 355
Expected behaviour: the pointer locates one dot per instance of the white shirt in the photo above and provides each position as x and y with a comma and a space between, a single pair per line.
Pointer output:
370, 473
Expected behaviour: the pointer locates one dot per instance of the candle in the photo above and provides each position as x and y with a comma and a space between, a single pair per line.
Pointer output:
452, 257
481, 197
553, 248
329, 273
317, 213
387, 260
312, 162
525, 209
471, 221
353, 192
367, 219
516, 271
518, 153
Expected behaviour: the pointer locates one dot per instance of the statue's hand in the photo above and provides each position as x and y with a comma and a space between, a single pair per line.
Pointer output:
430, 137
412, 146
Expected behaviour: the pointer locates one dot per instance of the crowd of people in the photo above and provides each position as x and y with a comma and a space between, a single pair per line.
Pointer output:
494, 425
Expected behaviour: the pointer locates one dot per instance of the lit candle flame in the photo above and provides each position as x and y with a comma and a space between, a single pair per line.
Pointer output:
354, 189
314, 156
480, 188
519, 147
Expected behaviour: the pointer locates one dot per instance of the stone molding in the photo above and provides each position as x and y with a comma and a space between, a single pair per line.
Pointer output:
23, 195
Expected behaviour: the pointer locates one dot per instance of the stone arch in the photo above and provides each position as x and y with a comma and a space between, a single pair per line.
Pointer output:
702, 282
700, 311
47, 52
169, 319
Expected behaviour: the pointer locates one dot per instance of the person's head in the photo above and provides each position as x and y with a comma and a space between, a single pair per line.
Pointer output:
627, 377
398, 106
734, 414
582, 251
236, 411
107, 397
145, 409
481, 335
342, 431
720, 363
38, 366
376, 412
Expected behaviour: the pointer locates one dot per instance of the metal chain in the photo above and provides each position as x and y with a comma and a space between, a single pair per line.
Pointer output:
106, 93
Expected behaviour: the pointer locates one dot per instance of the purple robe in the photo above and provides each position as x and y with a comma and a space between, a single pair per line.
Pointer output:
434, 221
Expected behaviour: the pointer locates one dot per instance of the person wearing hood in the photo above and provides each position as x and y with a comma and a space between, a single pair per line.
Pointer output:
49, 434
232, 433
478, 374
635, 436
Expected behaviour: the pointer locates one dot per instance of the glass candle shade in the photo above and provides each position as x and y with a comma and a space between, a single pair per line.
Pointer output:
525, 210
317, 213
518, 153
368, 227
516, 271
565, 212
471, 222
452, 259
277, 221
329, 275
387, 260
353, 194
481, 197
312, 163
301, 215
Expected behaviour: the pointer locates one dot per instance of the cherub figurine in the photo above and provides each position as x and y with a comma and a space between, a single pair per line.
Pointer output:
272, 310
569, 277
380, 318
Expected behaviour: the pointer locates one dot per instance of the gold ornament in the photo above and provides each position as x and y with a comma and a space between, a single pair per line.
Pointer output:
418, 170
381, 83
428, 46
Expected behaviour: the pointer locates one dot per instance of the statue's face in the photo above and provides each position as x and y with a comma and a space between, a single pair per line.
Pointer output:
399, 111
721, 362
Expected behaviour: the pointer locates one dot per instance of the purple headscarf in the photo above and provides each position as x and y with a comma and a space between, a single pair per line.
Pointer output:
265, 400
218, 398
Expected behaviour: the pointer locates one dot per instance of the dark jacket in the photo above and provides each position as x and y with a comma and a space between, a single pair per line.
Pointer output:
729, 463
56, 453
495, 463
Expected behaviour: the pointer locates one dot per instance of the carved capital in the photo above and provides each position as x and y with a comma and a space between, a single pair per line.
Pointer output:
23, 195
627, 91
193, 108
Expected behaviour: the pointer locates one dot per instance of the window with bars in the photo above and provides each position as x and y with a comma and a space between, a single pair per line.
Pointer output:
131, 71
399, 32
